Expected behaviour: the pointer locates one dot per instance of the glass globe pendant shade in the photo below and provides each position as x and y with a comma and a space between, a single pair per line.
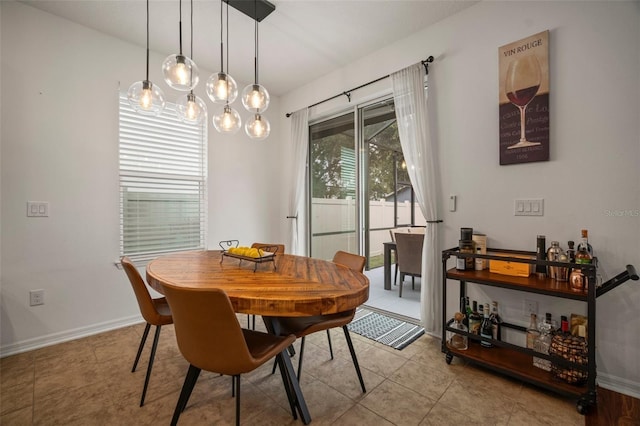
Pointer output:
222, 88
190, 109
227, 121
180, 72
146, 98
258, 127
255, 98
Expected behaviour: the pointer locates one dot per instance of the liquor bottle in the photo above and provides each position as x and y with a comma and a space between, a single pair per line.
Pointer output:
474, 320
532, 331
543, 342
479, 262
458, 341
486, 328
468, 310
463, 311
564, 325
541, 254
571, 252
496, 321
585, 243
577, 280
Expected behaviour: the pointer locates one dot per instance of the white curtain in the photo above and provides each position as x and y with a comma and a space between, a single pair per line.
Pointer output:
300, 142
419, 153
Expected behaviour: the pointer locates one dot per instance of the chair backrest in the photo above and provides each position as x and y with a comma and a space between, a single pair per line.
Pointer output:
418, 230
350, 260
277, 248
207, 330
409, 249
394, 231
147, 308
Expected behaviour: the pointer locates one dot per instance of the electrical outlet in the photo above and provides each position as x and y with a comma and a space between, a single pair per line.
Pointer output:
36, 297
529, 307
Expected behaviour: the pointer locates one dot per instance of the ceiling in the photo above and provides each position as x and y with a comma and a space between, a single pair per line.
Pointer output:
299, 42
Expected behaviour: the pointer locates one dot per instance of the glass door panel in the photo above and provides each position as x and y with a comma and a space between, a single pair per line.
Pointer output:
333, 167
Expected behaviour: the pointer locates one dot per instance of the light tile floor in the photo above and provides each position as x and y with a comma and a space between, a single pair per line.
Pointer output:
89, 382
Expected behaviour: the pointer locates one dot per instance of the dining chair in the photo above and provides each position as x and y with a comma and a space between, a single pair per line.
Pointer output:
409, 249
395, 256
303, 326
210, 338
154, 311
273, 248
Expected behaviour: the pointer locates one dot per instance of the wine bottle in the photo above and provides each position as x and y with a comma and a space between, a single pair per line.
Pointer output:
532, 332
571, 251
486, 328
496, 321
474, 320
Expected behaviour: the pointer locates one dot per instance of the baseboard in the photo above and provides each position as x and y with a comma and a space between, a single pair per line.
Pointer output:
619, 384
65, 336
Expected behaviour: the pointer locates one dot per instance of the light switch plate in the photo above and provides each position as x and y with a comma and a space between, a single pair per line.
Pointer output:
528, 207
37, 209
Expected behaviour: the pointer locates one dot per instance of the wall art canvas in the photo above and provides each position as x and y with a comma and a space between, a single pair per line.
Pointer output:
524, 100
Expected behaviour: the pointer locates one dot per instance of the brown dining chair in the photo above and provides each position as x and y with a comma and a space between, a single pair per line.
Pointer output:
273, 248
409, 249
211, 339
154, 311
303, 326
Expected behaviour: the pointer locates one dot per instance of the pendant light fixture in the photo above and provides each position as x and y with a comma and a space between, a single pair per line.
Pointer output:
221, 87
179, 71
190, 108
228, 120
258, 127
145, 97
255, 97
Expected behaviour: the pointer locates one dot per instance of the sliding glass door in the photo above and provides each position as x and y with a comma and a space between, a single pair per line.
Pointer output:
358, 181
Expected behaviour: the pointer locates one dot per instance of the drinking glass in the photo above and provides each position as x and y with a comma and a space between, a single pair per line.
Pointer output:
521, 85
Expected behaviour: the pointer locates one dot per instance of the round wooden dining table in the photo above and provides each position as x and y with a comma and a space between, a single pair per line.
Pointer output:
289, 286
293, 286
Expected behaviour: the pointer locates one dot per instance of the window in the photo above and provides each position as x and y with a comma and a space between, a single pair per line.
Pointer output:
163, 191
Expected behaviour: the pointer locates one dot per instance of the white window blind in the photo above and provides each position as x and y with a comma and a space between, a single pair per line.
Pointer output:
163, 191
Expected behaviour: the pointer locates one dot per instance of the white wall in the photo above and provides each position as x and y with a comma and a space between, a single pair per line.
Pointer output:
59, 144
595, 145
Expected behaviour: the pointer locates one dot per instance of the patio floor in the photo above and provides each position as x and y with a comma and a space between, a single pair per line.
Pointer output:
388, 300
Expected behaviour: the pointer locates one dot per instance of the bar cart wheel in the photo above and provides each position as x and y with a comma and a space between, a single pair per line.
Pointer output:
585, 402
449, 358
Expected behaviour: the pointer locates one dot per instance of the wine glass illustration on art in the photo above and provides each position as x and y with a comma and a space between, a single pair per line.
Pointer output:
521, 85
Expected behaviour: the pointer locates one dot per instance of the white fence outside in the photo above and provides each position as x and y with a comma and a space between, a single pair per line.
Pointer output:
334, 225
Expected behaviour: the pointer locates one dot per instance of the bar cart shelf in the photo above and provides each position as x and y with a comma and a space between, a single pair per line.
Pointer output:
516, 361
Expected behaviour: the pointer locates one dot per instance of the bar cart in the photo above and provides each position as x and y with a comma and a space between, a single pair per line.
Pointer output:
514, 360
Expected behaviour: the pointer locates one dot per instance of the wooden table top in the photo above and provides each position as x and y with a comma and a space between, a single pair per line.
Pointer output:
300, 286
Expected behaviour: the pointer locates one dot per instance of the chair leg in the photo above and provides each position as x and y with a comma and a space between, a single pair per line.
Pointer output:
237, 380
254, 323
413, 283
354, 357
401, 285
187, 388
142, 342
300, 360
330, 347
395, 278
150, 366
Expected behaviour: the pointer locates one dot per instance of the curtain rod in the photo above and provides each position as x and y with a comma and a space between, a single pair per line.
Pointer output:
347, 93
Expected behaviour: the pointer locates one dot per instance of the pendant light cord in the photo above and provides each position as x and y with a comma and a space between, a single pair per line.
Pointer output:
180, 27
221, 41
255, 59
191, 28
227, 9
147, 40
